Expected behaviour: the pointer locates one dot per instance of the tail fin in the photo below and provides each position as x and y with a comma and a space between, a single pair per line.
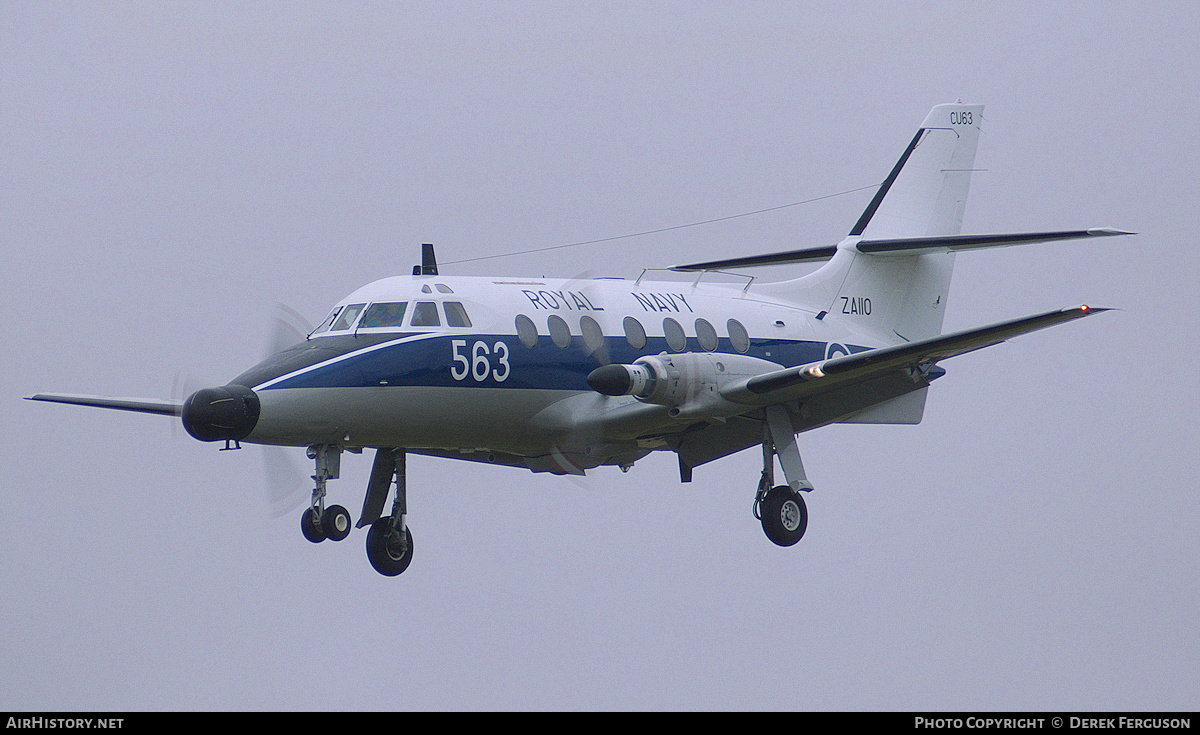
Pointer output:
904, 296
926, 192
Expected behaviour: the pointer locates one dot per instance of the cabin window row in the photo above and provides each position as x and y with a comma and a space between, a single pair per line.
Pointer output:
392, 313
635, 333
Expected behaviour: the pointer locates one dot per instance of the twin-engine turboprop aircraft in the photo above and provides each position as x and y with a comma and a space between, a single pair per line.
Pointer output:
563, 376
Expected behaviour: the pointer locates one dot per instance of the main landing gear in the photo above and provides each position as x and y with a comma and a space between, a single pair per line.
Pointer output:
781, 508
389, 542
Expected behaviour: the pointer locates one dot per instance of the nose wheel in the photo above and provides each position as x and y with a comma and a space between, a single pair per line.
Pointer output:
310, 526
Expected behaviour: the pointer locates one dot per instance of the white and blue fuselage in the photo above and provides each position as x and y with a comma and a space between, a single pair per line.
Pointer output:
389, 366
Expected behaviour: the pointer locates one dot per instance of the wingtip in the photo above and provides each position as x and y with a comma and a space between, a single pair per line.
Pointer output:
1108, 232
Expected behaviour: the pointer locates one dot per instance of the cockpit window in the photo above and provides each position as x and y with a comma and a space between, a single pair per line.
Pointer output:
328, 321
347, 317
383, 315
456, 315
425, 314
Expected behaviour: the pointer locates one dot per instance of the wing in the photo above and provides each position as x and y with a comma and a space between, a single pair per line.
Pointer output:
808, 381
140, 405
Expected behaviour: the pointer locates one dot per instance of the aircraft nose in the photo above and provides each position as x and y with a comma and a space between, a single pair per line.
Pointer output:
229, 412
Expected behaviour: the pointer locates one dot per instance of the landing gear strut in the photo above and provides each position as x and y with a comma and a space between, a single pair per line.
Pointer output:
781, 509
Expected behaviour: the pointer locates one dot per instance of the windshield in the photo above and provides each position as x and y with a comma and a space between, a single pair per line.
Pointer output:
347, 317
328, 320
384, 315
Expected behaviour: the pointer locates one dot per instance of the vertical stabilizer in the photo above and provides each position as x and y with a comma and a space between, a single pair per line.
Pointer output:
926, 192
903, 297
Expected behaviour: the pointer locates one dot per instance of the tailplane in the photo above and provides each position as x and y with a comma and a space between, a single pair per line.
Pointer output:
891, 274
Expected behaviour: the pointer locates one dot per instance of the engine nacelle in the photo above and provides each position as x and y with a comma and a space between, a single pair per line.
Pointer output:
690, 383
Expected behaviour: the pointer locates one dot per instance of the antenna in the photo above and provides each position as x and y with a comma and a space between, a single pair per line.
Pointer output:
428, 266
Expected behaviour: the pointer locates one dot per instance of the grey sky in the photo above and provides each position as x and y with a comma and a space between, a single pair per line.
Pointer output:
172, 170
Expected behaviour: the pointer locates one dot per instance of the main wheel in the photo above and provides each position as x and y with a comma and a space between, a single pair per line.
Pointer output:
335, 522
784, 515
388, 553
310, 526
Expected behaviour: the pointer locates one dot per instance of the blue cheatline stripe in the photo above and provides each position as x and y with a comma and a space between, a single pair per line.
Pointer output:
497, 361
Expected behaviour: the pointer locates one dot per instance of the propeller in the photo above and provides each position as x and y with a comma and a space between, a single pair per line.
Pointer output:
182, 386
286, 482
592, 344
288, 327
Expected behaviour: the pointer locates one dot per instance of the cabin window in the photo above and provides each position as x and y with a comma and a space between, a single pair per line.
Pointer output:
456, 315
527, 331
559, 331
425, 314
738, 336
676, 339
389, 314
706, 335
325, 325
593, 335
443, 288
635, 334
349, 314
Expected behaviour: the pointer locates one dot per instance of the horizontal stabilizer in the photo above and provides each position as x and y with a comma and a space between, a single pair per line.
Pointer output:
904, 246
140, 405
799, 382
955, 243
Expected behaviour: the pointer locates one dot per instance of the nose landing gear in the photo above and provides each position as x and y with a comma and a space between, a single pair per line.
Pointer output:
318, 522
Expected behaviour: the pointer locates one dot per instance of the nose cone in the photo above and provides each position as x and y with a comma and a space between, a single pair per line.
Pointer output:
229, 412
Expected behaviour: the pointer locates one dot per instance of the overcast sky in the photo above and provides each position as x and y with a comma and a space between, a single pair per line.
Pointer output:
172, 170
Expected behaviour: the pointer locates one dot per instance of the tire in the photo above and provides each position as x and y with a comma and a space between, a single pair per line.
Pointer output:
310, 526
784, 516
386, 555
336, 523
